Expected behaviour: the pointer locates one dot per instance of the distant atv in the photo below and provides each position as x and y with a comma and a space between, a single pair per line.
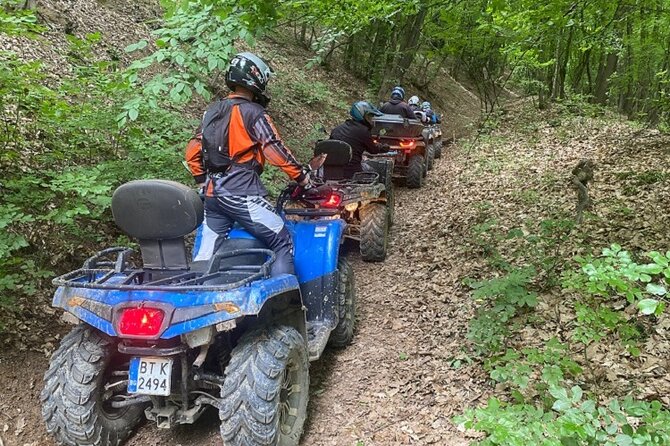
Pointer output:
437, 139
432, 135
409, 148
364, 201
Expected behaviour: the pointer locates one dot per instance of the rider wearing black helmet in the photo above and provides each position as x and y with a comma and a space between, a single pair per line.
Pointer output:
238, 136
397, 105
357, 133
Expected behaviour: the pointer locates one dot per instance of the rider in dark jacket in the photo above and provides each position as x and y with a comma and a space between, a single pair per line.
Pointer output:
357, 133
397, 105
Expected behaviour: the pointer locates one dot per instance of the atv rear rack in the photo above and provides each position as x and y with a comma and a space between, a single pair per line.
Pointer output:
120, 274
359, 178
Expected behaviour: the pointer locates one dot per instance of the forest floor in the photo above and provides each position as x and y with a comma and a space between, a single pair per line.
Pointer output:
411, 367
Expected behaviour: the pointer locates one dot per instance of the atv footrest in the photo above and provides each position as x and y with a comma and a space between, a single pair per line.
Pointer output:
318, 333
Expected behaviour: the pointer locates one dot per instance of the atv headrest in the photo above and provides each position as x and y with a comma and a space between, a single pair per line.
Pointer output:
156, 209
339, 152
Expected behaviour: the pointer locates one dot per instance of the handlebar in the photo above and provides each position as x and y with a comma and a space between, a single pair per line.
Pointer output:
295, 192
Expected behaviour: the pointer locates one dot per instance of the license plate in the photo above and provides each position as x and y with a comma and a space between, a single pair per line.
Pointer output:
150, 376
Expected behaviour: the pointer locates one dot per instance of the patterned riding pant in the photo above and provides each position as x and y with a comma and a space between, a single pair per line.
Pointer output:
258, 217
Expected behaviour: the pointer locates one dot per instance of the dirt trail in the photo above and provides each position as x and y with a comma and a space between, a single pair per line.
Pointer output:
398, 384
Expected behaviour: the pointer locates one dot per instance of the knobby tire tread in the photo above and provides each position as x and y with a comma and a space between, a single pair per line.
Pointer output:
430, 156
249, 410
438, 150
343, 333
374, 232
70, 403
415, 171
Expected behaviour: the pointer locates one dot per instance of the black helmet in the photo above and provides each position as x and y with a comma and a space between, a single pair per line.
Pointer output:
361, 109
398, 92
251, 72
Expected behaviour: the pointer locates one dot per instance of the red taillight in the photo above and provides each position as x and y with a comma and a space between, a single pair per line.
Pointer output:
141, 321
407, 144
333, 201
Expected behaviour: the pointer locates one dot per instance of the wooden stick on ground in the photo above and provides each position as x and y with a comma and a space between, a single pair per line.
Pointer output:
581, 175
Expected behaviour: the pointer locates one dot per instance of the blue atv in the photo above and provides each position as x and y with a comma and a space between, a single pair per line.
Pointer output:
169, 338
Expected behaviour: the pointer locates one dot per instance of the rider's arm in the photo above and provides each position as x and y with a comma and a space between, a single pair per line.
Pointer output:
194, 159
274, 149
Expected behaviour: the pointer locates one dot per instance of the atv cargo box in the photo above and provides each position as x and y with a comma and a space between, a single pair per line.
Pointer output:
396, 126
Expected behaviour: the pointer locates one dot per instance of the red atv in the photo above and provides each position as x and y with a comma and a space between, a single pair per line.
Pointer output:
364, 201
410, 150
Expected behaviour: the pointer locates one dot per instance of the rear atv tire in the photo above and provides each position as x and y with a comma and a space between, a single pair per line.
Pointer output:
390, 204
430, 156
343, 334
438, 150
73, 399
415, 171
266, 389
374, 232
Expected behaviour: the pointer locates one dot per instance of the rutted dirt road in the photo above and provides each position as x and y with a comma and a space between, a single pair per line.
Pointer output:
398, 384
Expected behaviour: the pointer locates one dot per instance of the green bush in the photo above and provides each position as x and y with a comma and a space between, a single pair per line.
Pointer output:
63, 156
614, 274
553, 412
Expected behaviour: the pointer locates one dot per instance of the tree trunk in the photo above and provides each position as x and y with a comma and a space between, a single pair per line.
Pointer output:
606, 70
408, 45
579, 72
557, 63
562, 72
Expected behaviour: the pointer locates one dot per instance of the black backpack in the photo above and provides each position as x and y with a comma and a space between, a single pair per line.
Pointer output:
215, 124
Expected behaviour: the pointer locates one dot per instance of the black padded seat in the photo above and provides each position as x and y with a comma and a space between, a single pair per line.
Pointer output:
159, 213
230, 245
339, 155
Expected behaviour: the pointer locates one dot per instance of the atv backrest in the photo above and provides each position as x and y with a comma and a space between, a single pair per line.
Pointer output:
339, 155
159, 214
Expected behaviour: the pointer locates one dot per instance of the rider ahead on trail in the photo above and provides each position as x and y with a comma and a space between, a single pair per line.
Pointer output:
357, 133
413, 103
237, 137
416, 108
396, 106
428, 110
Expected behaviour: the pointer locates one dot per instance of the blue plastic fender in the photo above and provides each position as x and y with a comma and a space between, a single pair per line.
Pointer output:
316, 245
186, 311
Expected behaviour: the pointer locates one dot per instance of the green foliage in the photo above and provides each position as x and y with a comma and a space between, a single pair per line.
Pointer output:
552, 412
15, 20
504, 296
547, 408
572, 419
615, 274
537, 368
512, 293
193, 49
63, 155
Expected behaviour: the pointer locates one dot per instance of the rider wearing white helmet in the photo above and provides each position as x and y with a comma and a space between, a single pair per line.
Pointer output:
414, 103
